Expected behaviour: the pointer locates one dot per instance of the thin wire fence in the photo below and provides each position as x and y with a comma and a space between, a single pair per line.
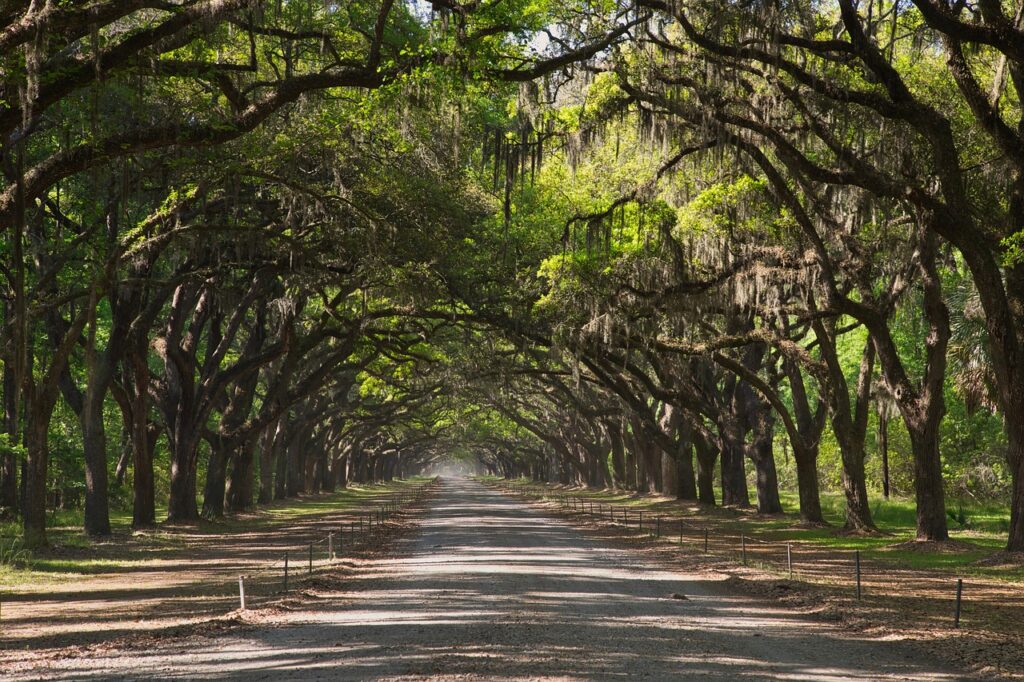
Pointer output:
256, 582
928, 597
277, 577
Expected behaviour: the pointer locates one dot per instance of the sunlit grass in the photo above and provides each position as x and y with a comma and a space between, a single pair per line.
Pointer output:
985, 526
74, 554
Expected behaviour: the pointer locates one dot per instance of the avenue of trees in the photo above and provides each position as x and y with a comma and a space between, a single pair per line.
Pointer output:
715, 249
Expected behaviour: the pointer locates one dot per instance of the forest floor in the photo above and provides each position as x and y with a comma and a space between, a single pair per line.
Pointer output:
161, 579
489, 586
906, 587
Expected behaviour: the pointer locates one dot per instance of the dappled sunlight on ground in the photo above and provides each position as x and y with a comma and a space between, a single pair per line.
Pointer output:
191, 582
493, 589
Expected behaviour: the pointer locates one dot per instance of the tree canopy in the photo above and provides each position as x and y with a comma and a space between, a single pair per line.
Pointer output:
253, 249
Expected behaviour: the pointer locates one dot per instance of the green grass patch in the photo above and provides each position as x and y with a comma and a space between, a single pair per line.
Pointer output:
73, 554
983, 525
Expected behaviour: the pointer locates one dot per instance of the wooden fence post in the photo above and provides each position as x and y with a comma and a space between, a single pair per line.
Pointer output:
857, 563
959, 596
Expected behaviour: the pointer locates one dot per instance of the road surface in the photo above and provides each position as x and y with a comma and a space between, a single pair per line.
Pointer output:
492, 588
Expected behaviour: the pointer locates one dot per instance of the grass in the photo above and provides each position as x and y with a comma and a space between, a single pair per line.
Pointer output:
985, 526
73, 554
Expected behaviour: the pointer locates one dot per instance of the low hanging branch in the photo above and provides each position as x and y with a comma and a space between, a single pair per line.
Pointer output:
646, 187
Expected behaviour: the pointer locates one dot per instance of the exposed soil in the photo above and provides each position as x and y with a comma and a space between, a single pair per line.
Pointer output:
897, 602
489, 587
932, 547
1003, 559
188, 578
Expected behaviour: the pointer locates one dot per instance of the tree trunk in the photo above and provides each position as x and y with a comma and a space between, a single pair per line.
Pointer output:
342, 472
618, 456
632, 468
88, 408
669, 474
676, 473
640, 461
652, 454
883, 447
850, 423
330, 477
858, 509
928, 485
216, 481
923, 407
143, 439
8, 461
734, 477
566, 474
143, 479
1001, 292
281, 461
34, 474
267, 461
706, 456
355, 466
686, 483
806, 459
767, 480
94, 437
1015, 455
296, 479
809, 425
241, 477
182, 505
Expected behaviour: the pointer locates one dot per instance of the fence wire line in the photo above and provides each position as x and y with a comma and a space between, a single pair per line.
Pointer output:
298, 556
865, 578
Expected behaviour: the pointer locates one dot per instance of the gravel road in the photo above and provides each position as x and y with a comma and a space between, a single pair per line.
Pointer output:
492, 588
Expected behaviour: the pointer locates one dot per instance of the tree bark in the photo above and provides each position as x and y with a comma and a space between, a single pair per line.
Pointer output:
40, 397
883, 448
94, 438
241, 477
8, 460
754, 416
632, 467
734, 477
281, 459
341, 475
35, 474
922, 408
686, 482
216, 483
618, 455
182, 505
809, 426
850, 423
706, 456
268, 460
143, 438
330, 476
296, 455
762, 454
928, 483
1015, 455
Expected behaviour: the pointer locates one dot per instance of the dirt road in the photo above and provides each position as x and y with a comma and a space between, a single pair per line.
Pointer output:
491, 588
